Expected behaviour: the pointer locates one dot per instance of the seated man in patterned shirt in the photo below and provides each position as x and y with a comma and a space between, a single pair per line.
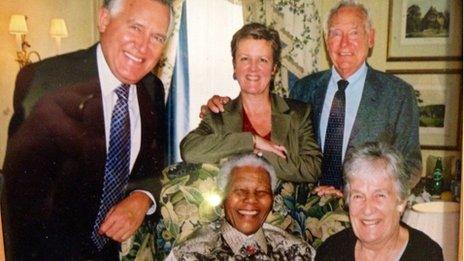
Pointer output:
247, 182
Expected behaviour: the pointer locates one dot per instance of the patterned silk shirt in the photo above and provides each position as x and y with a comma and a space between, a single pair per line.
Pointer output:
227, 243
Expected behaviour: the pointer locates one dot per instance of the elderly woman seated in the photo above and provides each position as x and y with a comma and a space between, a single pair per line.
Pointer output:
376, 189
247, 182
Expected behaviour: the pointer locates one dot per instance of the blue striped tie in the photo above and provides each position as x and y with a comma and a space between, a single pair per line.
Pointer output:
117, 162
333, 145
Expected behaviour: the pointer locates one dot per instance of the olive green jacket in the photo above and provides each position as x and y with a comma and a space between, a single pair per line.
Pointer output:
220, 135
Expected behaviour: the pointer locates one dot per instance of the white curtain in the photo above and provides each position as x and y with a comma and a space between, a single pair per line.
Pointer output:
211, 24
165, 67
177, 104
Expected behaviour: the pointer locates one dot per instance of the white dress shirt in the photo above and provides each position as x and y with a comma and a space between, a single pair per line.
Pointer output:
108, 85
353, 94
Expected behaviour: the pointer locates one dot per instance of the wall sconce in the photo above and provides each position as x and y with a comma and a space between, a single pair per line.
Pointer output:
58, 30
18, 27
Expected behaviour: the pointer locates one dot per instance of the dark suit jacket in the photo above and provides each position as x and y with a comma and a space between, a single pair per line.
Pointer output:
388, 112
56, 152
220, 135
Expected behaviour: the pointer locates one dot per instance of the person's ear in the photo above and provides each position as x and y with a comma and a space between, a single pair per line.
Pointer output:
274, 70
371, 40
233, 64
104, 18
401, 206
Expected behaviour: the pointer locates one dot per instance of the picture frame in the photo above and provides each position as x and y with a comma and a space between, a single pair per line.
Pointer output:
439, 96
424, 30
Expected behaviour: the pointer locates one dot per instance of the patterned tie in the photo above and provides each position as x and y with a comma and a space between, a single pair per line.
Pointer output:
333, 146
117, 162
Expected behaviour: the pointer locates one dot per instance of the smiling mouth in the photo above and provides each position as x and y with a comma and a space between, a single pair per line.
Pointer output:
345, 53
370, 222
248, 212
252, 78
133, 58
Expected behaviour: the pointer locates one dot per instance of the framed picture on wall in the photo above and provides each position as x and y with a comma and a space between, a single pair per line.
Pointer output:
438, 94
421, 30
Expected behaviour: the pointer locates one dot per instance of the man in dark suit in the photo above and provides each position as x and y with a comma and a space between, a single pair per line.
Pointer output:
86, 141
378, 106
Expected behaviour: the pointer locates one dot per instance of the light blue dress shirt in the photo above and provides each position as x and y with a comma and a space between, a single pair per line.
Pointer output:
353, 94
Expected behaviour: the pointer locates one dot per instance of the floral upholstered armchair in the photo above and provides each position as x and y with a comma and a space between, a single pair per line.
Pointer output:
190, 199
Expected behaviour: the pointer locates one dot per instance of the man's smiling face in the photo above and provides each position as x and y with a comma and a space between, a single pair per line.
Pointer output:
132, 37
249, 199
348, 40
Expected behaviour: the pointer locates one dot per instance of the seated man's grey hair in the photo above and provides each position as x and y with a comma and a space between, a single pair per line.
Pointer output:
397, 167
242, 160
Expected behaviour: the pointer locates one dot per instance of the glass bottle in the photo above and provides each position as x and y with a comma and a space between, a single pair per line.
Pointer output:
456, 182
437, 183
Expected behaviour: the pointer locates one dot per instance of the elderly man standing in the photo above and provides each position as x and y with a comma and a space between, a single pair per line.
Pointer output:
354, 103
247, 182
86, 141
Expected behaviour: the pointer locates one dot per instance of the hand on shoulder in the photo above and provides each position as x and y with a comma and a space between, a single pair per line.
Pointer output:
215, 104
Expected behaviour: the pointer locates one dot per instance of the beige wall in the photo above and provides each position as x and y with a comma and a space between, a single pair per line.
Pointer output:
79, 17
379, 13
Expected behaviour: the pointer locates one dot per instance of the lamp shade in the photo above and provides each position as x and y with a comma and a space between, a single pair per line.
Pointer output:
18, 24
58, 28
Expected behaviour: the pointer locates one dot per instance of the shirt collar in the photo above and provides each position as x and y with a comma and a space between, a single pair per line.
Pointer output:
108, 81
356, 76
235, 239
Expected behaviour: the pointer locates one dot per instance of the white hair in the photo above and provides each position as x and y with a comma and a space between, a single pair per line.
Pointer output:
242, 160
348, 3
395, 166
115, 6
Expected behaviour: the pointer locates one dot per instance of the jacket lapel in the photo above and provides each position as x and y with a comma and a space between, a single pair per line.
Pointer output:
318, 102
280, 119
148, 120
96, 101
232, 116
233, 120
90, 118
362, 128
91, 106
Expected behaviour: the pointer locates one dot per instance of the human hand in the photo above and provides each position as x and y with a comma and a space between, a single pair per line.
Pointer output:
263, 144
123, 219
214, 104
328, 190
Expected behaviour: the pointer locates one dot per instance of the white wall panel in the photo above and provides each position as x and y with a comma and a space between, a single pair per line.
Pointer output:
210, 25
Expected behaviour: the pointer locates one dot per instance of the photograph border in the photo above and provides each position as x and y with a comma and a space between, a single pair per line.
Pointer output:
457, 144
396, 17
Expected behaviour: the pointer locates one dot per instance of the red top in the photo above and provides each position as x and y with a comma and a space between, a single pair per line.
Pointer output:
247, 127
